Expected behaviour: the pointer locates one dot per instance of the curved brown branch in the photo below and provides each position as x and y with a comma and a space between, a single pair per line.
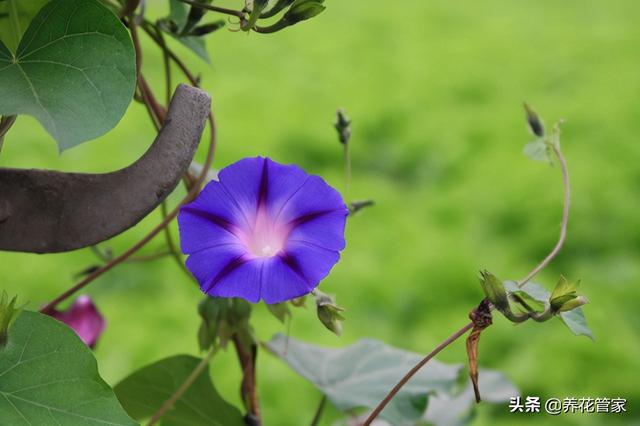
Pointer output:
49, 211
155, 231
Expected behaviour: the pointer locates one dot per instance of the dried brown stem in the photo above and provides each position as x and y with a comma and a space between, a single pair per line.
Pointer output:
248, 389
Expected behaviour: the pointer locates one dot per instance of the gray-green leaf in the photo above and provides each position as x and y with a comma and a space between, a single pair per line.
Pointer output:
74, 71
454, 410
144, 392
360, 375
49, 376
573, 319
577, 322
538, 150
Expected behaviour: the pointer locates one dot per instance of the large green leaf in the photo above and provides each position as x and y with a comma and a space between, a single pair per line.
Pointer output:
15, 16
49, 377
573, 319
144, 392
360, 375
74, 70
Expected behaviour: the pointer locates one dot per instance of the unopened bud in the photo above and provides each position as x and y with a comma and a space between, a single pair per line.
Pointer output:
84, 318
329, 314
535, 124
575, 302
494, 290
343, 126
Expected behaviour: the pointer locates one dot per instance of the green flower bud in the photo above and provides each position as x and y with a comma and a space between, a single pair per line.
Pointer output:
300, 10
494, 291
329, 314
535, 124
277, 8
221, 319
565, 297
576, 302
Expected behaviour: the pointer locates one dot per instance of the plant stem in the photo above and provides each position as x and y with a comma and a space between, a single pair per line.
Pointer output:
158, 228
129, 7
545, 262
316, 417
565, 219
248, 388
347, 169
147, 27
183, 387
148, 257
6, 121
224, 10
166, 60
173, 249
455, 336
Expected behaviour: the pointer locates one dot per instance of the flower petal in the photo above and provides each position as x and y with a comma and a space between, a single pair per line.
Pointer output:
325, 230
208, 264
200, 230
239, 279
283, 182
281, 283
310, 261
314, 197
243, 181
84, 318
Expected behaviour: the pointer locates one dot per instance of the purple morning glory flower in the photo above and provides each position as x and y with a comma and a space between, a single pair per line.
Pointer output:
84, 318
264, 230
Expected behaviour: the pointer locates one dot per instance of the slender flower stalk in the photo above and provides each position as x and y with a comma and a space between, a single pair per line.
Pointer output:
565, 218
318, 414
543, 264
223, 10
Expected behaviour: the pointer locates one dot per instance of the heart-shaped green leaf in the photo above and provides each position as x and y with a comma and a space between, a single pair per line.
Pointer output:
49, 377
74, 71
144, 392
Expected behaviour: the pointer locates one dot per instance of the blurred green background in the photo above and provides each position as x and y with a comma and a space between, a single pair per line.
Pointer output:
435, 91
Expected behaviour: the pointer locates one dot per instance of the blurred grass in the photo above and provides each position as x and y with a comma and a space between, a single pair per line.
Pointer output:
435, 92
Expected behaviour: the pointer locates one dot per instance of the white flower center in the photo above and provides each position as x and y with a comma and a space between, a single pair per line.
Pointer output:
265, 239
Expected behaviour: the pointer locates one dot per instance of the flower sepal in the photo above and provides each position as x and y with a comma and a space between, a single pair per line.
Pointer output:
222, 318
565, 296
329, 314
